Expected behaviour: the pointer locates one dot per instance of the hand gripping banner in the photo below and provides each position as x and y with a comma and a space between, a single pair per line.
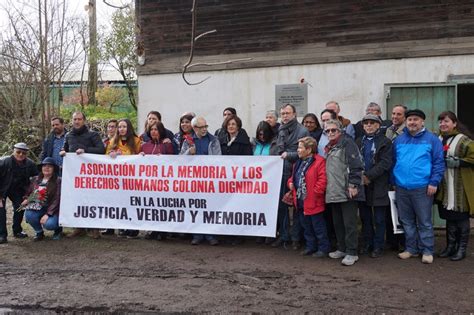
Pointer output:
222, 195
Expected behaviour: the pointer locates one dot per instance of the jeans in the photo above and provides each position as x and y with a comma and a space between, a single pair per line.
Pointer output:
16, 199
201, 237
373, 217
315, 232
283, 215
297, 228
345, 224
33, 217
414, 211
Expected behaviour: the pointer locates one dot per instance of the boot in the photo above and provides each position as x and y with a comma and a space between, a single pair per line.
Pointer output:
450, 250
464, 230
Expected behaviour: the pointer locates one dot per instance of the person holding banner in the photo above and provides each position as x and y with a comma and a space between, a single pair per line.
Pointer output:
344, 169
456, 193
41, 201
418, 170
155, 116
15, 172
156, 146
185, 130
376, 149
125, 142
82, 140
308, 184
203, 143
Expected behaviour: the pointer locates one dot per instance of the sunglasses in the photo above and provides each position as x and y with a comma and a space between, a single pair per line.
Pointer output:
332, 130
20, 152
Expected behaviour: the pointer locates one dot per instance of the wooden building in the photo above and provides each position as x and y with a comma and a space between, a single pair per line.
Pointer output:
420, 53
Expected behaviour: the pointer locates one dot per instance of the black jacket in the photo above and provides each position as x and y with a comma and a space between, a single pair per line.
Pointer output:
376, 193
359, 129
85, 139
29, 169
48, 144
240, 146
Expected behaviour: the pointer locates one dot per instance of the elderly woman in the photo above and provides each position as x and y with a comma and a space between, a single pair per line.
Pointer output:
376, 150
344, 169
456, 194
308, 183
41, 201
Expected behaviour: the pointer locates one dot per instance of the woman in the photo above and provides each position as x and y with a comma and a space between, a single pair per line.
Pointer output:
311, 122
151, 117
185, 130
125, 142
156, 146
234, 141
344, 169
41, 201
111, 131
456, 193
376, 150
264, 142
308, 184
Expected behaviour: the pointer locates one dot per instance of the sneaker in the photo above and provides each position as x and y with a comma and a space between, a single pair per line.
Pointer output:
108, 232
378, 252
151, 235
122, 233
213, 242
279, 242
406, 255
337, 254
132, 233
319, 254
427, 259
38, 237
349, 260
20, 235
57, 236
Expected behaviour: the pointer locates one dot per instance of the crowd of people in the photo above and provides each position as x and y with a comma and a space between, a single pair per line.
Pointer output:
334, 173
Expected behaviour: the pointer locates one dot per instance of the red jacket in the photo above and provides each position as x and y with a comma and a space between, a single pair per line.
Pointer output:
315, 186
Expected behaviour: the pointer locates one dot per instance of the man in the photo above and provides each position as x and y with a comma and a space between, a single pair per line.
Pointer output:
203, 143
346, 123
395, 241
289, 133
82, 140
326, 115
54, 143
418, 170
271, 117
373, 109
398, 122
15, 173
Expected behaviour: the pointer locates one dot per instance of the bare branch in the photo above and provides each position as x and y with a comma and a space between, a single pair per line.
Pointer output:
115, 6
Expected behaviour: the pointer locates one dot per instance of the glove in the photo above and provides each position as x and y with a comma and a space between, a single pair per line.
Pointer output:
452, 162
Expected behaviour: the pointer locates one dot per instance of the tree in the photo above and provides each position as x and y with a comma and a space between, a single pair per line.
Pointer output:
109, 96
119, 48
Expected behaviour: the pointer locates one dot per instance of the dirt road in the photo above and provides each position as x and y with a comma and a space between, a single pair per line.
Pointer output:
113, 274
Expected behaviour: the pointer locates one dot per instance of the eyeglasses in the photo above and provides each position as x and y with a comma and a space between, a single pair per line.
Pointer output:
20, 152
286, 113
332, 130
201, 127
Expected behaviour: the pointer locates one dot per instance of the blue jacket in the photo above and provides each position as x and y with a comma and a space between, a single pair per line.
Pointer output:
418, 160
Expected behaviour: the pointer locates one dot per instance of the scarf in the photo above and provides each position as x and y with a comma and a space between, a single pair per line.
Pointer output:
301, 191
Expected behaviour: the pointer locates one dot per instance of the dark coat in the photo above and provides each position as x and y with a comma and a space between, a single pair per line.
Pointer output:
85, 139
376, 193
240, 146
6, 175
48, 144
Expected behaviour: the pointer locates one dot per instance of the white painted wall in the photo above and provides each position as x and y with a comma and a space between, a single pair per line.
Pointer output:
252, 91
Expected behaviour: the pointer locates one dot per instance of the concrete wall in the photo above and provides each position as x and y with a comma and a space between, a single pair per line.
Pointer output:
252, 91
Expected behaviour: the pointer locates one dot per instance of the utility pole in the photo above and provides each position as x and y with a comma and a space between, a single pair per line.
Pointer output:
92, 79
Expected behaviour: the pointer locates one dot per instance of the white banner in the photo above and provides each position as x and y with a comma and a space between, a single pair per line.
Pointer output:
397, 227
222, 195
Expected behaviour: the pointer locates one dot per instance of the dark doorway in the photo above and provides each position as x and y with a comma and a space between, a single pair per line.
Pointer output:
466, 105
